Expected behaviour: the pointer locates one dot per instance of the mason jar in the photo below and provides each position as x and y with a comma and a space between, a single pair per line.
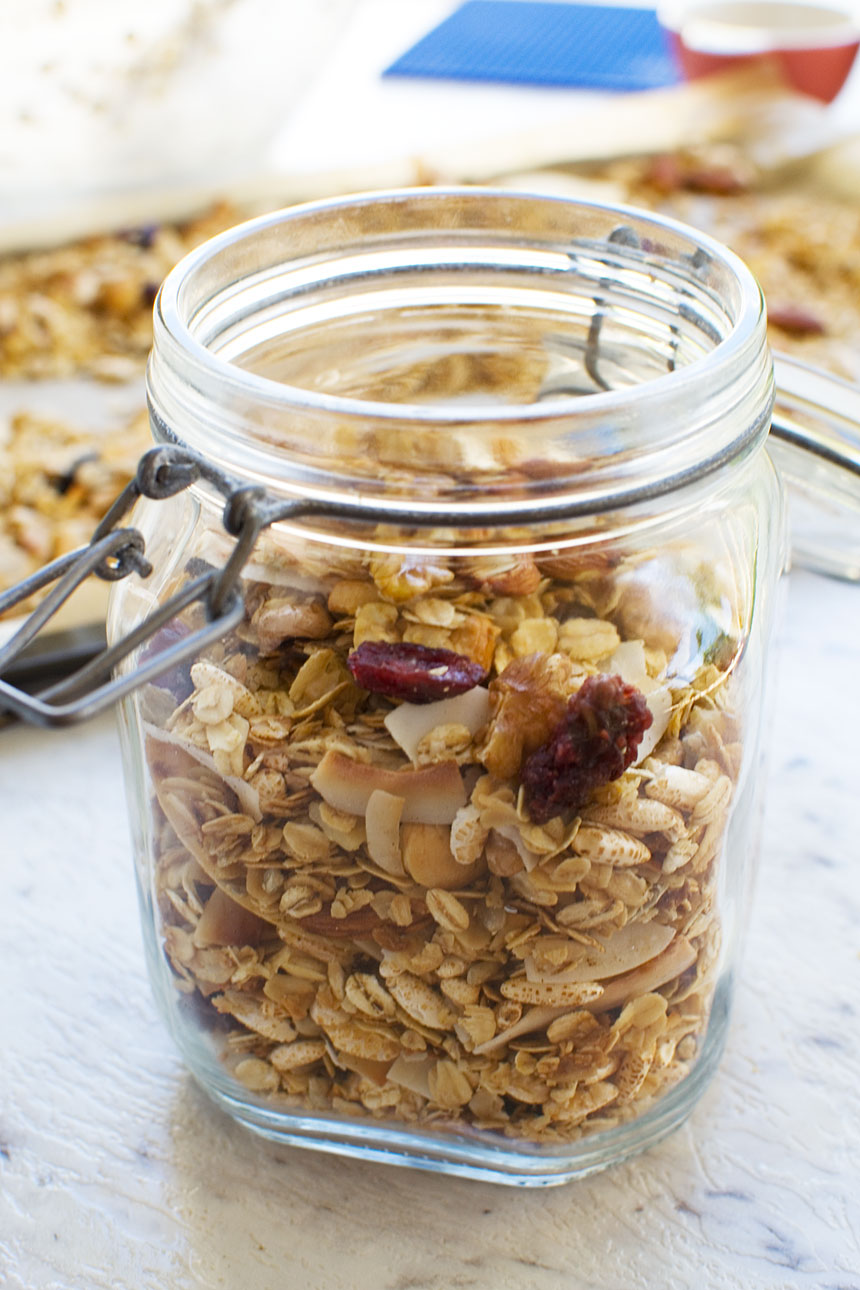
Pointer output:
445, 847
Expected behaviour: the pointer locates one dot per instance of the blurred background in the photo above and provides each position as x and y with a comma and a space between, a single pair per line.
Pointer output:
116, 112
130, 133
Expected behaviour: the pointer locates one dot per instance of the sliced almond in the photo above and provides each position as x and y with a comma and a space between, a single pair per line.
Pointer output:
634, 944
675, 959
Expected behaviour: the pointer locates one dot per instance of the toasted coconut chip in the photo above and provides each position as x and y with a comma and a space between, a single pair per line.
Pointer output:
382, 821
163, 763
529, 858
535, 1019
183, 821
636, 943
627, 660
229, 880
431, 794
410, 722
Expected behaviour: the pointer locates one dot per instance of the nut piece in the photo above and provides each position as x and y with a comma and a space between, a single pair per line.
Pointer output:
428, 858
528, 701
282, 619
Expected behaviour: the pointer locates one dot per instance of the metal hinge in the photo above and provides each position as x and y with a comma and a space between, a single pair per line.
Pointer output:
113, 553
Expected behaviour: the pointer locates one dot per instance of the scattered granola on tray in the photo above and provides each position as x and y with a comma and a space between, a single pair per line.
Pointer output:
56, 482
82, 311
801, 241
447, 854
85, 308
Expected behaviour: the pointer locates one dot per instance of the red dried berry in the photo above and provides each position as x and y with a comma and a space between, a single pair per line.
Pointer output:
415, 673
595, 743
177, 679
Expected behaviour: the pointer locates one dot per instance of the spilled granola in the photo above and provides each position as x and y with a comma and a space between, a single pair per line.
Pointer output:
351, 885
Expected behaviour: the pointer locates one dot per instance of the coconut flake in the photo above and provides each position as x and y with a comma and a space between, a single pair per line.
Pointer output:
382, 822
376, 1072
511, 833
627, 661
659, 701
675, 959
225, 922
626, 949
534, 1019
432, 794
408, 723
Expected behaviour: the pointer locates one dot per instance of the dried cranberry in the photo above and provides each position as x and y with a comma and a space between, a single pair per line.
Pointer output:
594, 743
415, 673
176, 679
796, 320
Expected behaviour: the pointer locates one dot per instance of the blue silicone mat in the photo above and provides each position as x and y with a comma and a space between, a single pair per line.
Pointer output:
532, 42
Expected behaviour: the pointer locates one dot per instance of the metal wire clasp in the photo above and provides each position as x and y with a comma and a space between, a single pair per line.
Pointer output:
113, 553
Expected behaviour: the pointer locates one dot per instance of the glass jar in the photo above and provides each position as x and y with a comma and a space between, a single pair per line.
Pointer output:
444, 850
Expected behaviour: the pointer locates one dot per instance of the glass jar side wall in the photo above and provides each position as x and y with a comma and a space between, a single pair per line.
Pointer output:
368, 925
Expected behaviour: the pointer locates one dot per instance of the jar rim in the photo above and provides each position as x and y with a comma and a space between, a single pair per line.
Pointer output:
169, 313
658, 332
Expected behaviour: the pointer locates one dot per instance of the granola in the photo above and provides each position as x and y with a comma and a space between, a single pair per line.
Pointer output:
56, 482
352, 886
87, 307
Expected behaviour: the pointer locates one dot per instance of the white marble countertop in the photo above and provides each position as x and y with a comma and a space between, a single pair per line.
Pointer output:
115, 1171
